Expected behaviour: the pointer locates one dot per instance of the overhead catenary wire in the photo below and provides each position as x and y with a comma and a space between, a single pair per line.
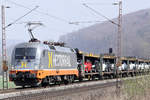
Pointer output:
47, 14
52, 29
98, 13
98, 3
78, 22
22, 17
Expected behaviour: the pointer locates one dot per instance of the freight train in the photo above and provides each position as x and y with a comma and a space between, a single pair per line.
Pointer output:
39, 64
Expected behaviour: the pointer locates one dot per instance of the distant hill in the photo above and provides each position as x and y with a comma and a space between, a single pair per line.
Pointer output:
99, 37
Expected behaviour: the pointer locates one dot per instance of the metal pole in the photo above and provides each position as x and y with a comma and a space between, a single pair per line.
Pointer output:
4, 61
119, 45
119, 29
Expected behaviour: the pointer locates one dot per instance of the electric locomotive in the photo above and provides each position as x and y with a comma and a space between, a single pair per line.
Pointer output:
35, 63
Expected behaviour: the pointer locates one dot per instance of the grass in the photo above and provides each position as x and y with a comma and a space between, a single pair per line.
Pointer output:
137, 88
10, 84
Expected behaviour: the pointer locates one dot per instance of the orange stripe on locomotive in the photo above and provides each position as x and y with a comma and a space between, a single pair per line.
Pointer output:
40, 74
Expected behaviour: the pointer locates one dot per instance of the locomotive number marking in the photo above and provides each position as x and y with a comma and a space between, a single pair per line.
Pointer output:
50, 55
23, 64
62, 60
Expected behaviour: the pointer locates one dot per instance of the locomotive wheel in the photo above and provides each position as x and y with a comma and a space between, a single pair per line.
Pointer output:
58, 83
66, 82
80, 79
44, 82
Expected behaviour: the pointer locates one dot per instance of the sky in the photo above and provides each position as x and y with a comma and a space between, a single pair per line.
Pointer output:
56, 15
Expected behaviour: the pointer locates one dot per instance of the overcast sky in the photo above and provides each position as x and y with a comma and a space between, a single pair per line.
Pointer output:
56, 15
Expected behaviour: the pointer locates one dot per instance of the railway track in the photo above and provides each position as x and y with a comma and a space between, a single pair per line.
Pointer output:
33, 92
20, 89
55, 90
60, 92
45, 95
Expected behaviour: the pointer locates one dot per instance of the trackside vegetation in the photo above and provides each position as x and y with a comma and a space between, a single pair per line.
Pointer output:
137, 89
10, 84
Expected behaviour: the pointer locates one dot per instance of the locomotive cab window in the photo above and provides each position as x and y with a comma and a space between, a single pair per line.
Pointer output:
25, 53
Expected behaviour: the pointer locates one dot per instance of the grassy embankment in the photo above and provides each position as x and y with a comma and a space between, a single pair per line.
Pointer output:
137, 89
10, 84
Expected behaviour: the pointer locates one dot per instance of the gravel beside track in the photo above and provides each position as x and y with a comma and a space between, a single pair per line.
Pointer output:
62, 93
55, 90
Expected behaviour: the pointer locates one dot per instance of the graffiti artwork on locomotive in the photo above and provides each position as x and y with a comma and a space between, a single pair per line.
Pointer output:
36, 63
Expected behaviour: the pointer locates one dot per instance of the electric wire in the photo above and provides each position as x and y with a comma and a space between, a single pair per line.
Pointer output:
78, 22
21, 17
100, 14
47, 14
98, 3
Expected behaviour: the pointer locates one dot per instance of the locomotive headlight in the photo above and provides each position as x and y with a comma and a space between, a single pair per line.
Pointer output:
12, 67
36, 67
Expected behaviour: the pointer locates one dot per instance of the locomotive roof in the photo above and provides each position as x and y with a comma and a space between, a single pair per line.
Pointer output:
28, 44
51, 47
64, 49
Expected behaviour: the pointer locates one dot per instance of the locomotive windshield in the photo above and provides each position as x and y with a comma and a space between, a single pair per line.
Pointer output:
25, 53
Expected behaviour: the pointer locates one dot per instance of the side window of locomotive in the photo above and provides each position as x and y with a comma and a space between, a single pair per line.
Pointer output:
44, 53
52, 47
